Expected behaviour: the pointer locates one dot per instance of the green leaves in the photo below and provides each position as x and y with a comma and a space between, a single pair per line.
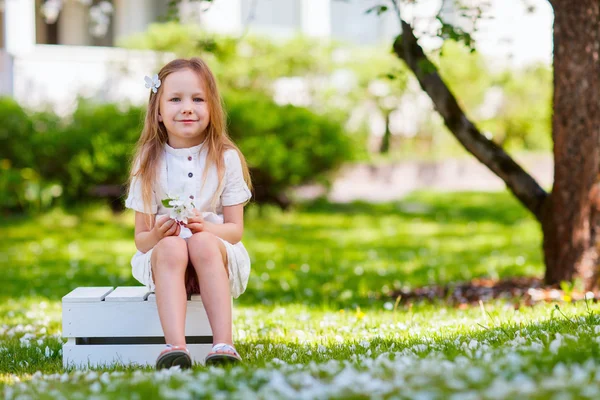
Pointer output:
451, 32
379, 9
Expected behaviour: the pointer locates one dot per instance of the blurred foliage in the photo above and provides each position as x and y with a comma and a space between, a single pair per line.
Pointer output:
338, 90
284, 145
524, 118
513, 106
337, 77
88, 154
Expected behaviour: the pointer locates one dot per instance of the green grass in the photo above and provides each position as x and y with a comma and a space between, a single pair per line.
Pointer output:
325, 255
317, 320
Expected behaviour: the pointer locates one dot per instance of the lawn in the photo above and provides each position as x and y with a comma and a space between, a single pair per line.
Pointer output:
318, 319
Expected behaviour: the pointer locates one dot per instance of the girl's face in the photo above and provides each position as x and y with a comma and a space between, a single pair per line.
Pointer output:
183, 108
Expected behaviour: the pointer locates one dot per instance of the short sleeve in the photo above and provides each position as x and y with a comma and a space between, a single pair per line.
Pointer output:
135, 198
236, 190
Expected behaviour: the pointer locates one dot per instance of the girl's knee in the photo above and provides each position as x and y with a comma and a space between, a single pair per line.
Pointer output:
204, 246
170, 251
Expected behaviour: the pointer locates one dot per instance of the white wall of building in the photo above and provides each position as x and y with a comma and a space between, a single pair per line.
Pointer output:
54, 76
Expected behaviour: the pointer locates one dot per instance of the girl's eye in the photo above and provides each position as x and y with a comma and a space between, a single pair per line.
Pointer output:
198, 100
175, 99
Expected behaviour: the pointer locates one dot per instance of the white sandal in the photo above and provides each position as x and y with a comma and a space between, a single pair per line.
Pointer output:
222, 353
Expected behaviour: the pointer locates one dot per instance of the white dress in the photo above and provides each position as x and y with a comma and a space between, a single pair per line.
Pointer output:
180, 173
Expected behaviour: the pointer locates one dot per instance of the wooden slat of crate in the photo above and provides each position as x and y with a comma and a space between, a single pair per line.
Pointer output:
105, 318
128, 294
97, 355
87, 294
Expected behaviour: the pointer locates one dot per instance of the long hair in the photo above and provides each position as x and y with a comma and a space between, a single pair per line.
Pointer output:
149, 148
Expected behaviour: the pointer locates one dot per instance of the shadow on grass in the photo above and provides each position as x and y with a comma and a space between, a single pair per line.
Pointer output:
461, 207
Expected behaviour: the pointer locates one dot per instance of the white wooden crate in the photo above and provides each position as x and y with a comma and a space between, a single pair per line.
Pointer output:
105, 325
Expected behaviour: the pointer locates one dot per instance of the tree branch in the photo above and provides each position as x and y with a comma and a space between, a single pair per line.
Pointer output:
519, 182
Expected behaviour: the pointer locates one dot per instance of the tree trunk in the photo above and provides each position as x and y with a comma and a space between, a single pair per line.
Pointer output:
384, 148
571, 220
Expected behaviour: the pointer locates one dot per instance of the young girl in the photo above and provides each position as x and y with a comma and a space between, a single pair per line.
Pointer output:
184, 152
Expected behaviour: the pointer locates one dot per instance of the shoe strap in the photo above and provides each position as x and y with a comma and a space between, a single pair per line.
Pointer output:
224, 347
175, 347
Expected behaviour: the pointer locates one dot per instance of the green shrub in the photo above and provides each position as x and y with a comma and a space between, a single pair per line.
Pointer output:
100, 139
89, 154
15, 134
284, 146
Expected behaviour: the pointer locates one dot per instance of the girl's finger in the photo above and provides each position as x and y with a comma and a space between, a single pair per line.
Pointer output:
163, 220
168, 223
196, 227
168, 229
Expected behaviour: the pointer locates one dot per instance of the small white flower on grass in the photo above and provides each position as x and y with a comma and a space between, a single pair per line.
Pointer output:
278, 361
365, 344
419, 348
589, 296
105, 378
556, 343
322, 349
294, 357
95, 387
48, 352
92, 375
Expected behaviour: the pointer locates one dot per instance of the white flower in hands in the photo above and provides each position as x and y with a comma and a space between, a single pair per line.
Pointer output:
152, 83
181, 208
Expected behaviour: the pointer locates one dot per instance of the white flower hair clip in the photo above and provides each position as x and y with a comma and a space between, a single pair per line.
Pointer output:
152, 83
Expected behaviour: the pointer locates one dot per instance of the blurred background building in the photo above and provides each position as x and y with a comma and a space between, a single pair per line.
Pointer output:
54, 50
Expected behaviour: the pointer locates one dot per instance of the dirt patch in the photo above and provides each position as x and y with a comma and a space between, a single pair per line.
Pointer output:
518, 291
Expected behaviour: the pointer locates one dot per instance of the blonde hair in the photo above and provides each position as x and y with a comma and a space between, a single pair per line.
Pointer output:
150, 145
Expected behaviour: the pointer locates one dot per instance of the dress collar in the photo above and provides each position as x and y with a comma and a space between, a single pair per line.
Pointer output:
184, 152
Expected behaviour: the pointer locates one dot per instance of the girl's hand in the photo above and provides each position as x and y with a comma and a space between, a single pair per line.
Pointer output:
165, 226
196, 223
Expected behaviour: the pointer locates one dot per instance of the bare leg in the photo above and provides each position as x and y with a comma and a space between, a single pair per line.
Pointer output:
169, 261
209, 257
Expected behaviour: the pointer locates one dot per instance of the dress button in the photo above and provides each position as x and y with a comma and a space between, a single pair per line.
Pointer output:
190, 158
191, 197
190, 174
